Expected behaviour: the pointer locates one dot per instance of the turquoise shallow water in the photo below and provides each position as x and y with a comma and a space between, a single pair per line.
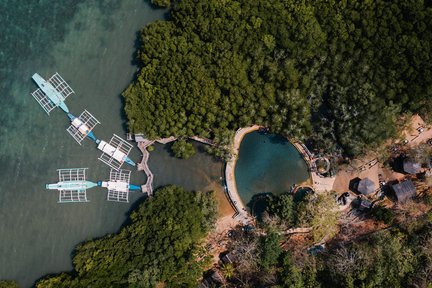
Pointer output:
91, 44
268, 164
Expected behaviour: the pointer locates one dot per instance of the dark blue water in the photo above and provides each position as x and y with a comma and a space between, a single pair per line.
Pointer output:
268, 164
91, 44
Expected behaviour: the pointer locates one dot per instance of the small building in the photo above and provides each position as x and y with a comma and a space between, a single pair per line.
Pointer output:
404, 190
230, 257
361, 204
212, 279
316, 249
139, 138
366, 186
411, 167
364, 205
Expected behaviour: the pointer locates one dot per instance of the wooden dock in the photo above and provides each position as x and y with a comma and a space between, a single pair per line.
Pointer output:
195, 138
166, 140
143, 143
202, 140
143, 166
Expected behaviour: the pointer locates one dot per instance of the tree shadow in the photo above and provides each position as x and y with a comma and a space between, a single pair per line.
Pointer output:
134, 62
137, 46
168, 148
353, 184
277, 139
397, 164
259, 203
167, 14
153, 6
123, 116
132, 208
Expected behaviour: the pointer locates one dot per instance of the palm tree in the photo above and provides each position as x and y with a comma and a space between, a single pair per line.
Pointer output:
228, 270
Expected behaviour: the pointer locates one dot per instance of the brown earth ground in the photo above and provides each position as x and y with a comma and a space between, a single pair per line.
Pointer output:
218, 238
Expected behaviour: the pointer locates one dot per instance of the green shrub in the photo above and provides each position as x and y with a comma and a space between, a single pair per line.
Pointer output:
183, 149
381, 213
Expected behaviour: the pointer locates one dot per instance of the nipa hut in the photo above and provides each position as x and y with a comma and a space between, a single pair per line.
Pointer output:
411, 167
404, 190
366, 186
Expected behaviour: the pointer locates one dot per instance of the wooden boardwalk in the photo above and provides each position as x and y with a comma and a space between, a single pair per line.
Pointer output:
202, 140
166, 140
143, 166
195, 138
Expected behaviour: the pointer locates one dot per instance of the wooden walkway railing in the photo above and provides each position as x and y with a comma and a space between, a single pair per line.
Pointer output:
143, 166
202, 140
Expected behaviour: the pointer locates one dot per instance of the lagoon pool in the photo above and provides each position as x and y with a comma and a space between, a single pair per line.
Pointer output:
268, 163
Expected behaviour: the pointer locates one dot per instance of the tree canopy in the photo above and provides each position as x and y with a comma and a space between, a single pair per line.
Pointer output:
160, 245
339, 72
8, 284
183, 149
321, 213
161, 3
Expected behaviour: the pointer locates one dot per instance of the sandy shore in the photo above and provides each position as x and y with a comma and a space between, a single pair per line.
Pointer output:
224, 206
218, 238
241, 213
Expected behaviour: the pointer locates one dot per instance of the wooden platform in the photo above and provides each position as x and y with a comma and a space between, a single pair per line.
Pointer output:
143, 166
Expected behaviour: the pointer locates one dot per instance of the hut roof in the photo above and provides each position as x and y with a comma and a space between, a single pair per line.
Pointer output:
366, 186
404, 190
231, 257
364, 205
411, 167
217, 277
139, 138
212, 279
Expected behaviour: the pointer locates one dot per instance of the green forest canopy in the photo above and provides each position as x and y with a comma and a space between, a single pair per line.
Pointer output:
159, 245
339, 72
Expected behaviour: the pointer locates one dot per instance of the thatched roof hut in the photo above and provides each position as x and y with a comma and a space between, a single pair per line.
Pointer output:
411, 167
366, 186
230, 257
213, 278
365, 205
404, 190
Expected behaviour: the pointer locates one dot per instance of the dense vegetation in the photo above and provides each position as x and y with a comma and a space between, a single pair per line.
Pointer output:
161, 3
8, 284
183, 149
397, 257
319, 212
159, 245
340, 71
